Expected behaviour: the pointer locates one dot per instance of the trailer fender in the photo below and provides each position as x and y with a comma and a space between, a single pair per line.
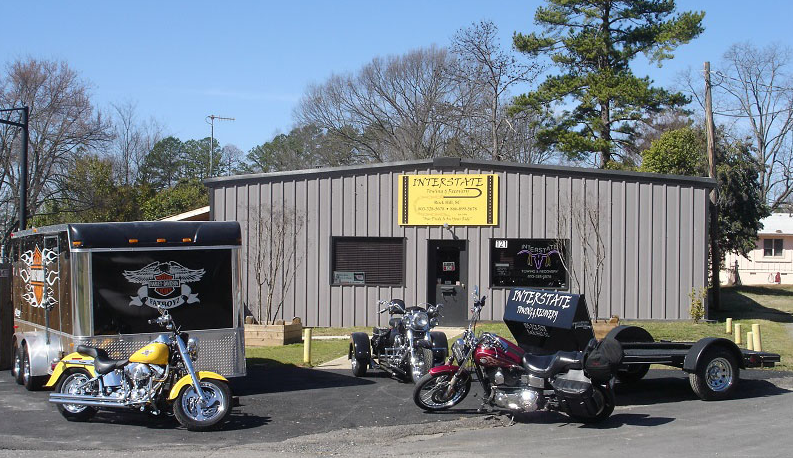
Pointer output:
359, 346
696, 351
440, 346
629, 334
37, 352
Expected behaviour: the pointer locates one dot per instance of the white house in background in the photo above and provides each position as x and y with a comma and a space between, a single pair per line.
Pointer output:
771, 261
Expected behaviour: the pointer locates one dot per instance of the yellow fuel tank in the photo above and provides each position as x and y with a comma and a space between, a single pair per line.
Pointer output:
153, 353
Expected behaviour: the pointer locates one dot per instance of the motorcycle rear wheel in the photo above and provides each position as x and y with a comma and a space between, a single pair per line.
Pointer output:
68, 384
432, 391
190, 414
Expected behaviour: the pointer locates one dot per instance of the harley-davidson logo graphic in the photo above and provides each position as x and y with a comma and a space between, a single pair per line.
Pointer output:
39, 275
162, 280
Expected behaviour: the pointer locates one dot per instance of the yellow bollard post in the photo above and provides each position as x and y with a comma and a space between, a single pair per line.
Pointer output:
749, 341
758, 344
729, 326
307, 346
738, 334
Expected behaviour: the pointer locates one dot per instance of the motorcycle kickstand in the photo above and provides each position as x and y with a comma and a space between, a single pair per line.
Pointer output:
485, 401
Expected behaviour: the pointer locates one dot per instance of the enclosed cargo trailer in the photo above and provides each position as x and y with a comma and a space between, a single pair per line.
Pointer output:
98, 284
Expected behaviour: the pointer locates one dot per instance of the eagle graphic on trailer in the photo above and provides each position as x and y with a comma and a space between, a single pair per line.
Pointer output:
160, 280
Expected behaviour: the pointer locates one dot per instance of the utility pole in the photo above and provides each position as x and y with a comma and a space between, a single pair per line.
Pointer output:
23, 162
715, 258
211, 121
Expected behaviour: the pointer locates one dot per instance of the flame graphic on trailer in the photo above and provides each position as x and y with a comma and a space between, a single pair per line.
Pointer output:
39, 275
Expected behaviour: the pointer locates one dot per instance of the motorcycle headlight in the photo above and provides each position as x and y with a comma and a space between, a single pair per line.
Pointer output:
421, 321
192, 348
458, 350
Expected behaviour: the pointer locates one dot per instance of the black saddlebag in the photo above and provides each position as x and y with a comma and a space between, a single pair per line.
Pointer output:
575, 397
602, 359
380, 339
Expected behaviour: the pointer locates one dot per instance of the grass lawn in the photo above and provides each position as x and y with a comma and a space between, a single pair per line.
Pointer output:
321, 351
769, 306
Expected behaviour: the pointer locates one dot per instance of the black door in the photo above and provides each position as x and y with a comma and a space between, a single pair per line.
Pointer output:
447, 269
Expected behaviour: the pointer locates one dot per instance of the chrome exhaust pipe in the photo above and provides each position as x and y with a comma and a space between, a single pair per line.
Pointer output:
92, 401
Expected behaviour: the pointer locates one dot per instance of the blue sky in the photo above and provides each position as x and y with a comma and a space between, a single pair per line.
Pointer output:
181, 61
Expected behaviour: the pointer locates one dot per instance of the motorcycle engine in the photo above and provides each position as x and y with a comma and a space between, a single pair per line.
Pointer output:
518, 399
140, 378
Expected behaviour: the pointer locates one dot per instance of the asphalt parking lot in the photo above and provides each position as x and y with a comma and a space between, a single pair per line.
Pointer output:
287, 403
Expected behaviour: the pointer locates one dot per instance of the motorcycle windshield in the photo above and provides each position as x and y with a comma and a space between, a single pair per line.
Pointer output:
544, 322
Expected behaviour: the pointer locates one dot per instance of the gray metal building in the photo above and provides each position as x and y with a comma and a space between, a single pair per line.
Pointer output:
636, 241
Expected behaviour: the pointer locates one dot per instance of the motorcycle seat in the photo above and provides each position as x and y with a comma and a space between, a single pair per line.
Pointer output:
546, 366
103, 364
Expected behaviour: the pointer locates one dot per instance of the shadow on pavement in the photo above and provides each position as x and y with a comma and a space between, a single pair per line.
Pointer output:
666, 388
280, 378
237, 420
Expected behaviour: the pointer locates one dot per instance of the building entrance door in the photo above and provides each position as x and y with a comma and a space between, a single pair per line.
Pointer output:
447, 267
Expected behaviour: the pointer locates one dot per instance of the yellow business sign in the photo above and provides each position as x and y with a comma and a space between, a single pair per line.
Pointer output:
457, 200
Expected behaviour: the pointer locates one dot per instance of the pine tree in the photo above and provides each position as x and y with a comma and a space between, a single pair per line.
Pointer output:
592, 42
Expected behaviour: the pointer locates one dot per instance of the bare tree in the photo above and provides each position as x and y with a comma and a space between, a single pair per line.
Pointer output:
394, 108
132, 140
275, 257
581, 221
63, 123
489, 71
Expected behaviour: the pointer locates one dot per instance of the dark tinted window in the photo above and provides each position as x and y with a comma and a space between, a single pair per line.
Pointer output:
368, 260
195, 286
772, 247
528, 262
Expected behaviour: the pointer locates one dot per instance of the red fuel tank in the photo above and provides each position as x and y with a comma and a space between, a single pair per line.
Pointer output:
504, 355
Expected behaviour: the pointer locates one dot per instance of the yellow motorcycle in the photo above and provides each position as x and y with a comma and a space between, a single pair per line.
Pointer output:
158, 377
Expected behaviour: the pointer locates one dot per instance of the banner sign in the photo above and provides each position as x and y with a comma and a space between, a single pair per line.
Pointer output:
547, 321
456, 200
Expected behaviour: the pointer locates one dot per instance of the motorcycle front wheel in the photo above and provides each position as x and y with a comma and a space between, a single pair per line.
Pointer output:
75, 383
424, 364
194, 416
432, 391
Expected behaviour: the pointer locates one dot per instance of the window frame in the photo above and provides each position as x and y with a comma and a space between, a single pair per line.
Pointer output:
773, 248
332, 260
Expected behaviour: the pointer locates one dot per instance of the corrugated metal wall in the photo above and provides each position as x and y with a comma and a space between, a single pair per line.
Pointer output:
653, 227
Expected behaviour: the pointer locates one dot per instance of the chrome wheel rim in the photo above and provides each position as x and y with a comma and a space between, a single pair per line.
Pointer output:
718, 374
354, 364
26, 369
215, 406
17, 366
434, 394
74, 385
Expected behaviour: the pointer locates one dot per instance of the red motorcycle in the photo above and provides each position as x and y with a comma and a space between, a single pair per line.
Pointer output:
577, 383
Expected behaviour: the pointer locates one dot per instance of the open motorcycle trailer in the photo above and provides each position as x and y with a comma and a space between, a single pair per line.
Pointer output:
98, 284
550, 321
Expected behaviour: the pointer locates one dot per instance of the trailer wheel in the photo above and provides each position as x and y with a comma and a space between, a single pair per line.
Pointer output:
31, 382
632, 373
716, 375
16, 369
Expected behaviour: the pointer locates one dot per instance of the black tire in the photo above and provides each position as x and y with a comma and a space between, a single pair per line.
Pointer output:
716, 375
191, 416
426, 358
604, 400
68, 385
31, 382
431, 392
16, 361
358, 366
632, 373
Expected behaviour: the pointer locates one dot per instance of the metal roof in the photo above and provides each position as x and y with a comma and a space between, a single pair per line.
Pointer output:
451, 162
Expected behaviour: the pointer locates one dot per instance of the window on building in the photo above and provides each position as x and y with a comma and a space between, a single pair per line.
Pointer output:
368, 261
772, 247
533, 263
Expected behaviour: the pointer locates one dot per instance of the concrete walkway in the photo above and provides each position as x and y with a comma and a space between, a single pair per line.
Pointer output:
343, 363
